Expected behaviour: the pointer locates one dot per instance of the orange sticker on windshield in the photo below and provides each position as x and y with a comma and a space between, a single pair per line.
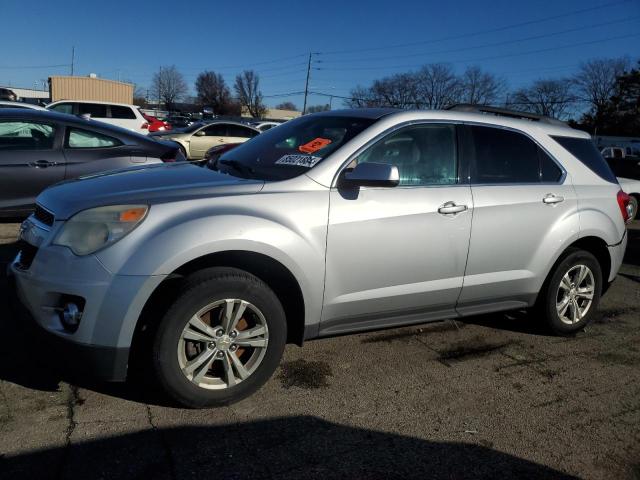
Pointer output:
314, 145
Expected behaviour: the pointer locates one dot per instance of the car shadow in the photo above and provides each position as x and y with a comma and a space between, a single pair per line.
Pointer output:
290, 447
632, 254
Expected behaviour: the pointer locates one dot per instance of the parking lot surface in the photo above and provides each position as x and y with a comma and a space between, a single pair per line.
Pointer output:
488, 397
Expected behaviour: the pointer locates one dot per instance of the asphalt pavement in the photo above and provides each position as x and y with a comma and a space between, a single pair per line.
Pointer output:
488, 397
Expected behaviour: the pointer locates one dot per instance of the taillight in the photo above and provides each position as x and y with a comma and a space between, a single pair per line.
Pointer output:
144, 126
624, 202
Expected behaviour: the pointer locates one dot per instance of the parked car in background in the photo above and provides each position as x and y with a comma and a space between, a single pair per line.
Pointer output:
7, 104
40, 148
212, 155
155, 124
264, 126
177, 121
118, 114
336, 222
632, 188
8, 94
626, 166
198, 138
620, 152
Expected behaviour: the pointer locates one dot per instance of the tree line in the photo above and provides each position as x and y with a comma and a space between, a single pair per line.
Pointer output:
602, 97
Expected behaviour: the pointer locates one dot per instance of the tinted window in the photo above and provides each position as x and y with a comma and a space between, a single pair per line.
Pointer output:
122, 112
503, 156
585, 151
63, 108
16, 135
424, 155
550, 172
216, 130
96, 110
242, 132
85, 139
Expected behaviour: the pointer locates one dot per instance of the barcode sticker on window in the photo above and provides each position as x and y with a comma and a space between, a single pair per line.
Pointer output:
299, 160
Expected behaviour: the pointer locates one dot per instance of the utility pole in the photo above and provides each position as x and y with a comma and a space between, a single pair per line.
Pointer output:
73, 58
306, 85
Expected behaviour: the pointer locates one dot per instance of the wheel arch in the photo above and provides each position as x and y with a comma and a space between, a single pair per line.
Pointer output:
277, 276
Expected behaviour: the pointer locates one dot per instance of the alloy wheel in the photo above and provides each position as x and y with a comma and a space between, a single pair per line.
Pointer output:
575, 294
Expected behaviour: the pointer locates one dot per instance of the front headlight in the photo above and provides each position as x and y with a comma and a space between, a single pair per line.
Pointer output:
90, 230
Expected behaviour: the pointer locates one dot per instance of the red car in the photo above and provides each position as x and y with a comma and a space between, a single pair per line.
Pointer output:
156, 125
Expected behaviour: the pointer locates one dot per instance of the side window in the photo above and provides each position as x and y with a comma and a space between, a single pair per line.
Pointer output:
503, 156
238, 131
216, 130
424, 154
96, 110
550, 172
17, 135
63, 108
118, 111
84, 139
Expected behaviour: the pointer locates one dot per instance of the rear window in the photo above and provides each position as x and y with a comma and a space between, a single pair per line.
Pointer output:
585, 151
122, 112
96, 110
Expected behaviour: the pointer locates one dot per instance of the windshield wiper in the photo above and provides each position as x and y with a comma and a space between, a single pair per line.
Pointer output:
238, 166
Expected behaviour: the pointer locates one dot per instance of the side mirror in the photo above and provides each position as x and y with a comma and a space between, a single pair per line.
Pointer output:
373, 175
200, 133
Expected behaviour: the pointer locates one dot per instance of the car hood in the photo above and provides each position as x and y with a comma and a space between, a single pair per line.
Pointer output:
153, 184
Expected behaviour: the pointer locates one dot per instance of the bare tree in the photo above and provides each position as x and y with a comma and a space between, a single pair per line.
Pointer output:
248, 93
170, 86
361, 97
596, 81
545, 97
213, 92
437, 86
318, 108
480, 88
287, 106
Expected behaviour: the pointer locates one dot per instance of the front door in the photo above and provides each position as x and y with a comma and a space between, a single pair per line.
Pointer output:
30, 160
207, 137
397, 254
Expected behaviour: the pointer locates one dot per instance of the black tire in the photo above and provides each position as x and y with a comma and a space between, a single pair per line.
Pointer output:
633, 201
546, 305
184, 152
201, 289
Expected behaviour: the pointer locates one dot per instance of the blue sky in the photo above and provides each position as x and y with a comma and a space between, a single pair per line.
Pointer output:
356, 41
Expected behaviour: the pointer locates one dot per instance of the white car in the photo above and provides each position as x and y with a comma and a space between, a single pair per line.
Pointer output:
6, 104
119, 114
632, 188
264, 126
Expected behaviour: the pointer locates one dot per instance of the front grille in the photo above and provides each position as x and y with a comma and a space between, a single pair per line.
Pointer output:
27, 254
43, 216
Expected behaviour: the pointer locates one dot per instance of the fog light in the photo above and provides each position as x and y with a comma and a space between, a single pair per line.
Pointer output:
70, 317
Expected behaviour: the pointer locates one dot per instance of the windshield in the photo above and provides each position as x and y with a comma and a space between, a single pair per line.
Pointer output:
191, 128
292, 148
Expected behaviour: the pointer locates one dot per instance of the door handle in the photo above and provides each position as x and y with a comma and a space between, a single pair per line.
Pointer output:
450, 208
551, 199
42, 164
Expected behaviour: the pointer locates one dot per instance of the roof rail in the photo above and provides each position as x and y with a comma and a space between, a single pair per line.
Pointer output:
504, 112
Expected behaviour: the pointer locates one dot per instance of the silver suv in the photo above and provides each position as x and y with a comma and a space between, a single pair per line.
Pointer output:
332, 223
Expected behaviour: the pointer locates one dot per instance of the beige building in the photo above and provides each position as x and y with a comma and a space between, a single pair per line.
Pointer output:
275, 114
89, 88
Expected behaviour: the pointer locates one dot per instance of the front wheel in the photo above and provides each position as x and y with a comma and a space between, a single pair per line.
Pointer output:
221, 340
571, 296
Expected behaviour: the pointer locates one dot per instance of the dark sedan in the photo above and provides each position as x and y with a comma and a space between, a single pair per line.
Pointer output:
38, 149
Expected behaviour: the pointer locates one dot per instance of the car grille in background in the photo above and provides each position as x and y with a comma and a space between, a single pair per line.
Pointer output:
43, 216
27, 254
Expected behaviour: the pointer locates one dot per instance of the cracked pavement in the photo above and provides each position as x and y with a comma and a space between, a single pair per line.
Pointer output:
490, 396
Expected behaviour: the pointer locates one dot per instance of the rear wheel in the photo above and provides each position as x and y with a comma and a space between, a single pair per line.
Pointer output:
571, 296
221, 340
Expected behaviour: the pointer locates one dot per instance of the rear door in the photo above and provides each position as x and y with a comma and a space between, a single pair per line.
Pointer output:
88, 151
239, 134
30, 160
207, 137
523, 207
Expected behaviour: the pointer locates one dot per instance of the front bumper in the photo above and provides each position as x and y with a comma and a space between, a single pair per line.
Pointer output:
113, 303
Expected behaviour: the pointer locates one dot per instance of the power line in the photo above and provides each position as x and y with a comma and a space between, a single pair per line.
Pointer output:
16, 67
494, 57
487, 45
479, 32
